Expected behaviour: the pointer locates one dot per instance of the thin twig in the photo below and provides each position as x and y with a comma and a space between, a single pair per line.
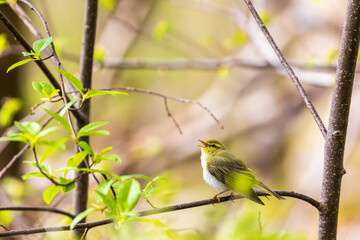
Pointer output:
182, 100
37, 209
288, 68
171, 116
13, 159
172, 208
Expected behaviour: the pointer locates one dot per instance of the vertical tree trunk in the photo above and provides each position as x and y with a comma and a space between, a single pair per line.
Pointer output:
335, 139
80, 194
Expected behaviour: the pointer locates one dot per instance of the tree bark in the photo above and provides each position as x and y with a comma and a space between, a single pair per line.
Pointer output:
335, 139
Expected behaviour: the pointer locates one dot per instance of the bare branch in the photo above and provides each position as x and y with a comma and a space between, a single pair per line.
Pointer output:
288, 68
37, 209
182, 100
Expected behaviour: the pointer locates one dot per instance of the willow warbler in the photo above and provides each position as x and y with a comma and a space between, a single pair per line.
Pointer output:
225, 172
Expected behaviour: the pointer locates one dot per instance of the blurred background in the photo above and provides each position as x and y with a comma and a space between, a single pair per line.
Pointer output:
210, 51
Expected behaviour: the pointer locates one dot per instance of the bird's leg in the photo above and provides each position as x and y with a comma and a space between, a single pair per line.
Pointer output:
216, 196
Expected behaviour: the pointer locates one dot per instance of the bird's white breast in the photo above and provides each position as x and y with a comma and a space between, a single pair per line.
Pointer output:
210, 179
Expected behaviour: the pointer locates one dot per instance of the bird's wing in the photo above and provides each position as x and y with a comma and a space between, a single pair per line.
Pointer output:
231, 171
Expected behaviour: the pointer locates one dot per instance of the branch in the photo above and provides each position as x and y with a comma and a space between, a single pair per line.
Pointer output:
17, 35
171, 208
165, 97
338, 122
287, 67
37, 209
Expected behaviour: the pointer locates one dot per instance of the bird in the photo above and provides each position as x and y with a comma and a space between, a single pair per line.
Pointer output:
225, 172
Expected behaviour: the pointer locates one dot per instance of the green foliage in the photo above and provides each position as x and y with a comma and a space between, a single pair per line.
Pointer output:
8, 110
4, 43
51, 192
87, 130
71, 78
45, 89
38, 47
81, 216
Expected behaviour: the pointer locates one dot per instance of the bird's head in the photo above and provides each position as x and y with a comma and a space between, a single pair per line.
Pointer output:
211, 147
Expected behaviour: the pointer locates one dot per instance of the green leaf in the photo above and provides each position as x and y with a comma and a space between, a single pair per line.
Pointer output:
87, 129
52, 149
92, 133
112, 157
47, 131
104, 188
32, 128
93, 93
110, 203
76, 159
128, 195
74, 81
26, 54
41, 44
34, 164
50, 143
19, 64
45, 89
60, 119
66, 169
80, 217
50, 193
92, 126
85, 146
69, 187
151, 188
32, 175
68, 105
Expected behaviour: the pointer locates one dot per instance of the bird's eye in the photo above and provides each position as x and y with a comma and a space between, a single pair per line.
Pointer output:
214, 145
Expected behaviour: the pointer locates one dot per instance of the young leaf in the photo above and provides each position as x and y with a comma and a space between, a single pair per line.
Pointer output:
26, 54
128, 195
68, 187
19, 64
60, 119
92, 133
47, 131
93, 93
32, 128
86, 147
52, 149
74, 81
92, 126
80, 217
68, 105
41, 44
45, 89
50, 193
76, 159
104, 188
112, 157
110, 203
32, 175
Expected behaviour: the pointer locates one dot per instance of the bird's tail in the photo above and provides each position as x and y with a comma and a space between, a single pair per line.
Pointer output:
260, 184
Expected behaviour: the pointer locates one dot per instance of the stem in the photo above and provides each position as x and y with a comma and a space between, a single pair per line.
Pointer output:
335, 140
80, 194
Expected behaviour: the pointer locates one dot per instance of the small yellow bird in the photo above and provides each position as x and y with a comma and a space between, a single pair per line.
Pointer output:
225, 172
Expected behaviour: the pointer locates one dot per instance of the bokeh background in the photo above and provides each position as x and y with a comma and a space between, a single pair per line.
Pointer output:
265, 120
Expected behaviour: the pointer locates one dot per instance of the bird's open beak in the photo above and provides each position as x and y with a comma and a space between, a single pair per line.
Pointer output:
204, 144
